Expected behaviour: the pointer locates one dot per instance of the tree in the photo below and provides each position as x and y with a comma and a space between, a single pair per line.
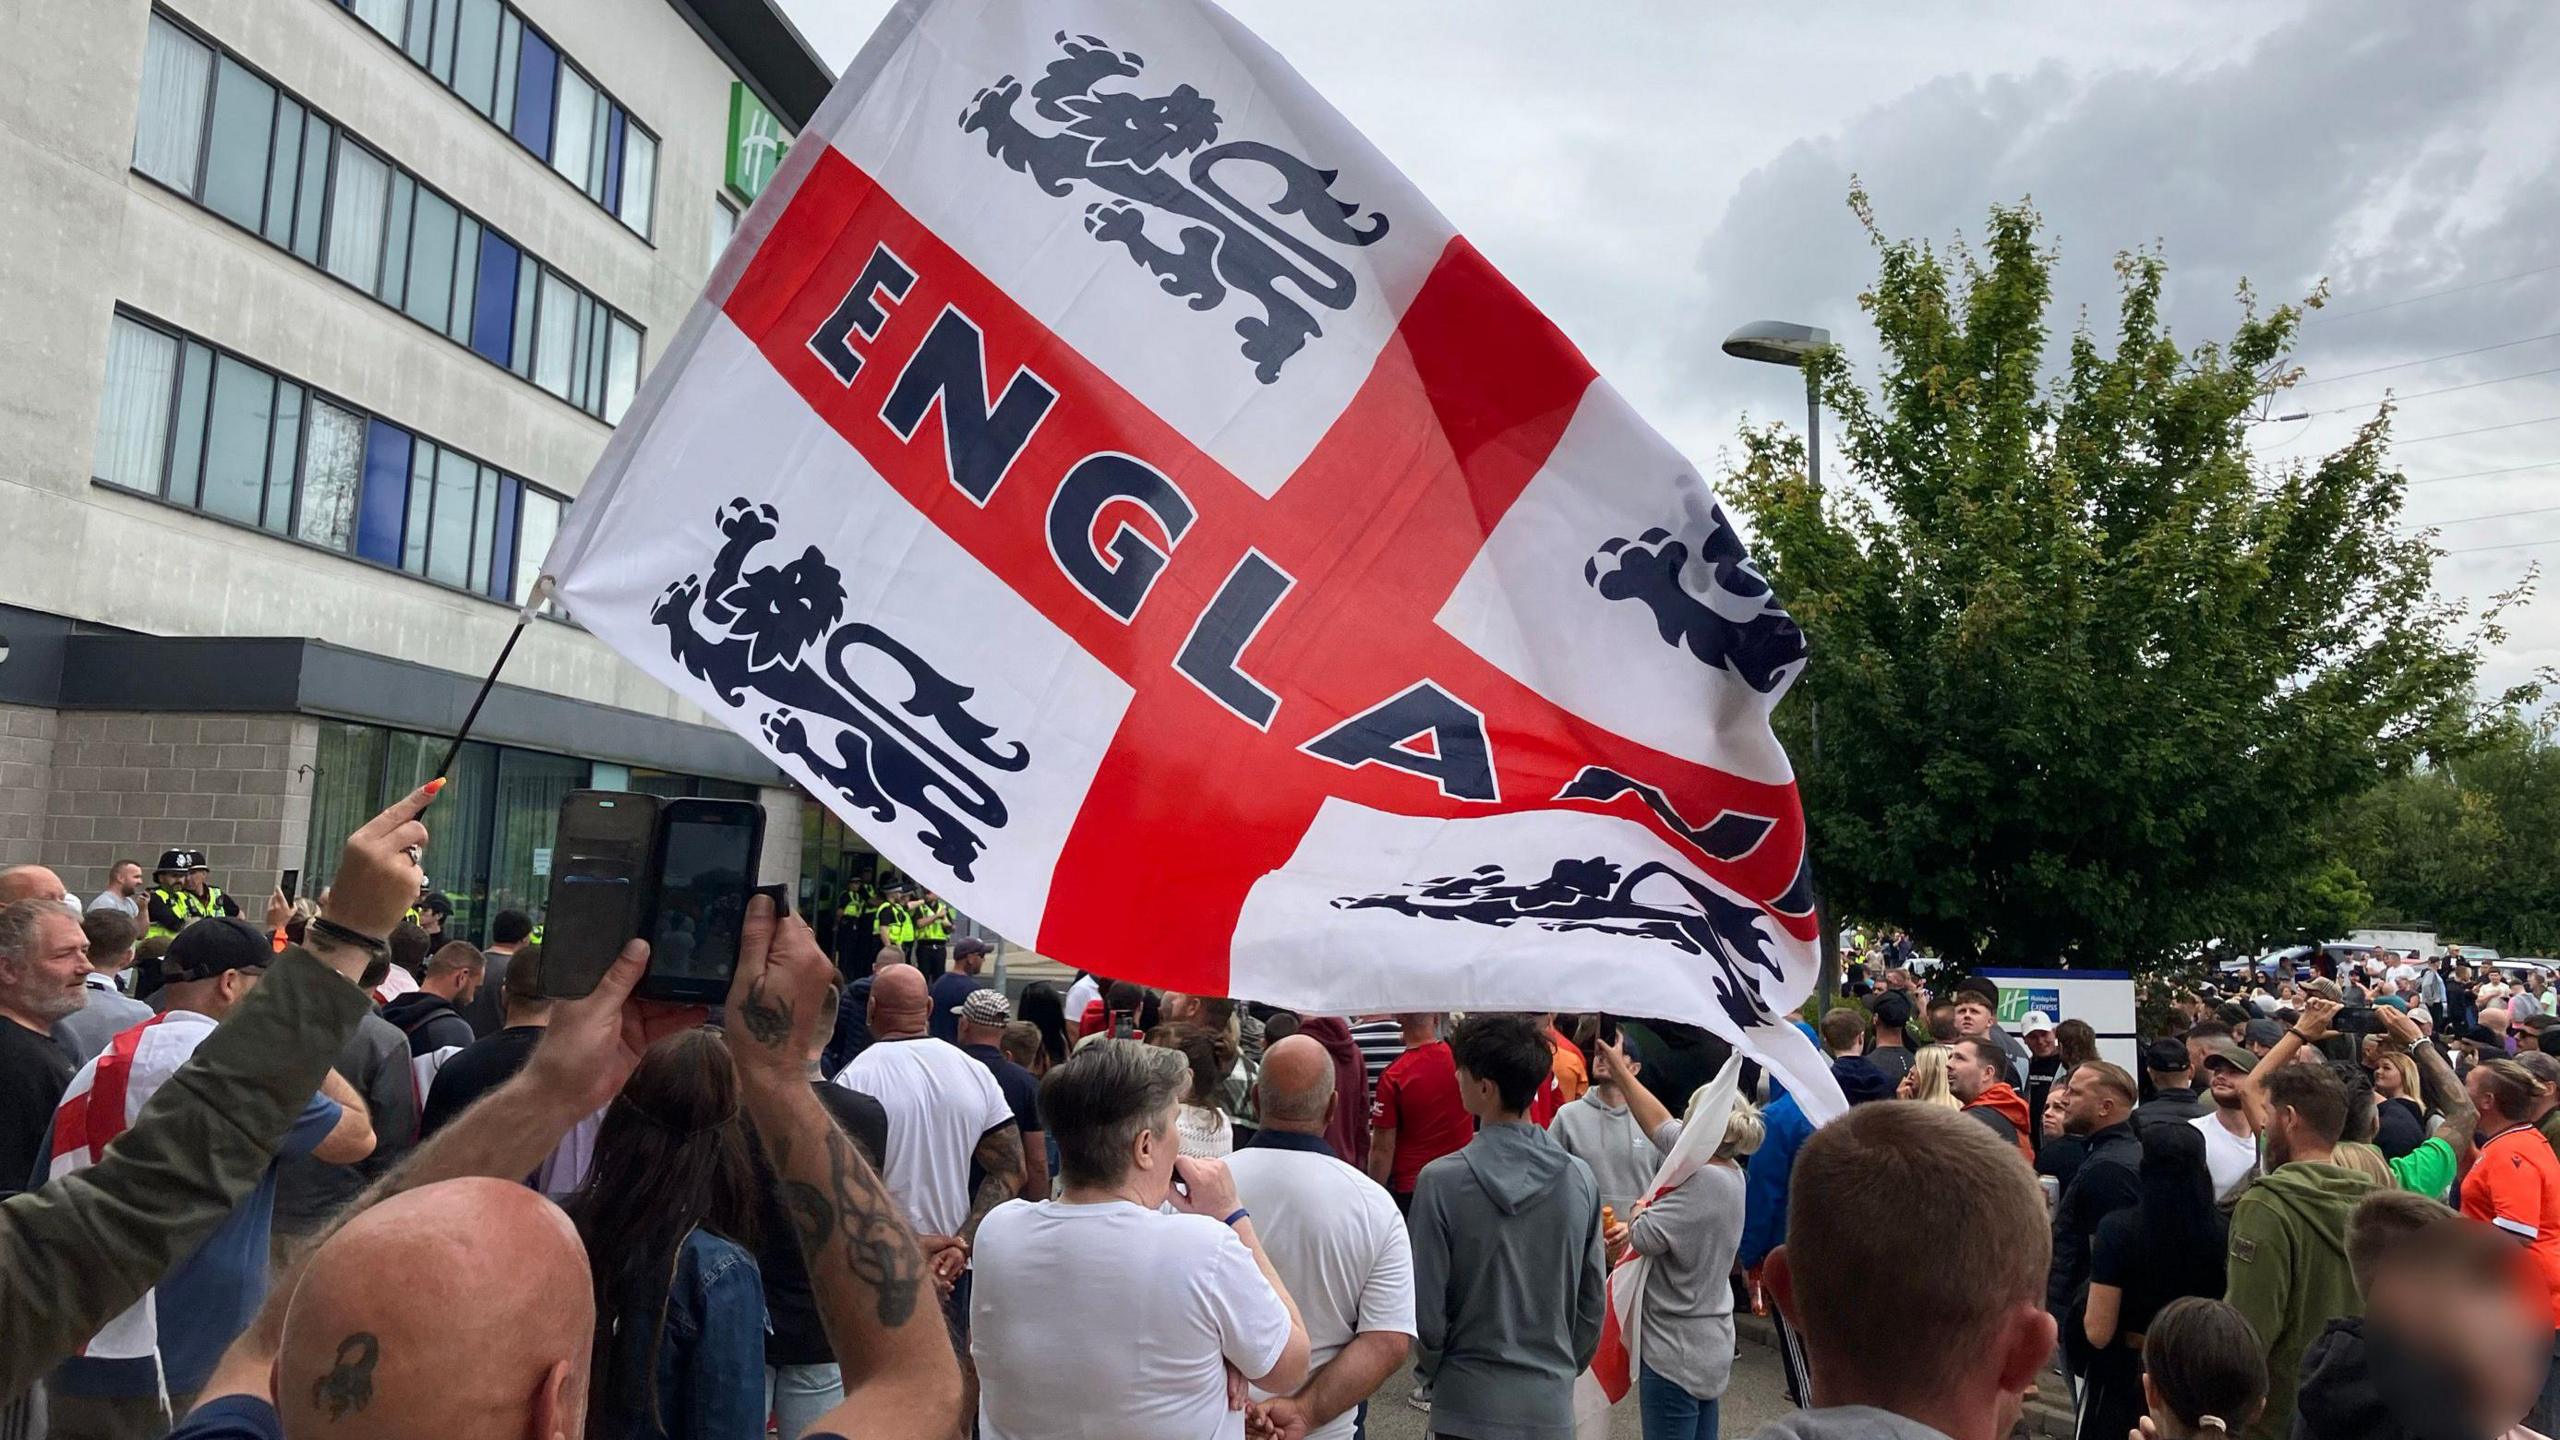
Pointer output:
2087, 678
2471, 846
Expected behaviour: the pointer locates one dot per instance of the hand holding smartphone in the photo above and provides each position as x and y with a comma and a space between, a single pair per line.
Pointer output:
675, 873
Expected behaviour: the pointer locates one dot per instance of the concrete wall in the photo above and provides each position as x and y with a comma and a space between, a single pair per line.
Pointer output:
84, 234
128, 786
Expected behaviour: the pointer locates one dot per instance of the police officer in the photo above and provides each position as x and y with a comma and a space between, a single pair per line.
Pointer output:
891, 920
933, 932
182, 890
855, 939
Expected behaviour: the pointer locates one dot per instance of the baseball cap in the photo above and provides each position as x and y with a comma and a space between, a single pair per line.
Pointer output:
984, 1007
2035, 1022
1893, 1010
214, 944
2263, 1032
2220, 1047
2165, 1055
968, 945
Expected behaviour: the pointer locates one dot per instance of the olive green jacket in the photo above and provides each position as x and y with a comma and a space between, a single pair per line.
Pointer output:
76, 1253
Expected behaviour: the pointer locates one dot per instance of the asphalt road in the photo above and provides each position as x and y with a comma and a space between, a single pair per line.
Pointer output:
1756, 1397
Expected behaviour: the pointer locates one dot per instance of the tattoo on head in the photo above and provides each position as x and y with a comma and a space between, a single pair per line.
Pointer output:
851, 1221
349, 1383
767, 1021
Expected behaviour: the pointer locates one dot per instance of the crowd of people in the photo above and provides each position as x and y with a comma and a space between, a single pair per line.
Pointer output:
344, 1172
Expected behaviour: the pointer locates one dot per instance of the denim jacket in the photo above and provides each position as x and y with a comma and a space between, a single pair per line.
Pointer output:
711, 1361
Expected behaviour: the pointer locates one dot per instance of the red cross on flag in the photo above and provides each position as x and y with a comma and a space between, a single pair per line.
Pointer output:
1097, 474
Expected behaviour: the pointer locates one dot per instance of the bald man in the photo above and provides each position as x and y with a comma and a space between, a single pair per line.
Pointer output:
1335, 1238
339, 1354
33, 882
945, 1111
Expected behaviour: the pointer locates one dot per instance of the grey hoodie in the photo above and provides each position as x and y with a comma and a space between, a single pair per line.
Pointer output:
1502, 1230
1846, 1422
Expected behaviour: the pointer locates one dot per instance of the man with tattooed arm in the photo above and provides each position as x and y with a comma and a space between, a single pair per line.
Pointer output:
336, 1353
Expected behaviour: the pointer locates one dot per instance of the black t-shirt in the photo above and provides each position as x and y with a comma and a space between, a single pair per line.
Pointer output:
483, 1066
2400, 1126
33, 1074
2116, 1258
1021, 1091
798, 1337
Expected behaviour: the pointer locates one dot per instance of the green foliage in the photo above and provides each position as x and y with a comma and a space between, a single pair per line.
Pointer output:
2471, 846
2086, 678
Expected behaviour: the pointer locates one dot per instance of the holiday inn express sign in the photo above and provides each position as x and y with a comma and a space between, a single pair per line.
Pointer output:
756, 142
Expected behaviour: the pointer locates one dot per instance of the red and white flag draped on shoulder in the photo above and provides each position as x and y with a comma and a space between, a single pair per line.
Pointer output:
1103, 479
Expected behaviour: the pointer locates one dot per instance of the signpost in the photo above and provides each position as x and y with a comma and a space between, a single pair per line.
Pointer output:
756, 142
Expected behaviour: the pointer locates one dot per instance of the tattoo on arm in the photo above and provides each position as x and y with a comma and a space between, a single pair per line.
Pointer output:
851, 1221
349, 1383
768, 1022
999, 1160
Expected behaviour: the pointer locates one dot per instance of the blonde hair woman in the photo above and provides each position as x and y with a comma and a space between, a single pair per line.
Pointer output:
1927, 1082
1689, 1235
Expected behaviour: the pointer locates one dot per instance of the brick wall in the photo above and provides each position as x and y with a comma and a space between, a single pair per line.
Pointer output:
128, 786
26, 777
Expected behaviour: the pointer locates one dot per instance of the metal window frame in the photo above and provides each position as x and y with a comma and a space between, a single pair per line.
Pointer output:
217, 53
311, 394
644, 235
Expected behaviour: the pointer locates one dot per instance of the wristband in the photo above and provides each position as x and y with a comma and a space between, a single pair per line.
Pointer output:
328, 929
2296, 1032
1241, 1213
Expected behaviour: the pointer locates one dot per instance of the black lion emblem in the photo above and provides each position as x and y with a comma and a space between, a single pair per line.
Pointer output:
1118, 141
1596, 894
1759, 648
774, 633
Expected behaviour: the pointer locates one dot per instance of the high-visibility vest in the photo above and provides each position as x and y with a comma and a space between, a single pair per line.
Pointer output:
186, 905
936, 924
893, 925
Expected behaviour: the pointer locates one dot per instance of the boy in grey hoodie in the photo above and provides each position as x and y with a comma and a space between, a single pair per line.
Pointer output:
1501, 1230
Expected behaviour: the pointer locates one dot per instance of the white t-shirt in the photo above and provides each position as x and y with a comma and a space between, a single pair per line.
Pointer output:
940, 1102
2229, 1157
1080, 995
1339, 1245
1126, 1341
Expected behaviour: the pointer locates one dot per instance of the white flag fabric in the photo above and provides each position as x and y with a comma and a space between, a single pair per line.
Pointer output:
1098, 475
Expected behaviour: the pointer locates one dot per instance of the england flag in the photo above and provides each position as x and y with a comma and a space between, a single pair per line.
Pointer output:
1101, 477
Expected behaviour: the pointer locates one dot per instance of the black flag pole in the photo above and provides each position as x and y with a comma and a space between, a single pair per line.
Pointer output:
541, 593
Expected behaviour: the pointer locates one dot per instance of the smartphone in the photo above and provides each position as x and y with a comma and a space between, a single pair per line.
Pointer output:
603, 872
1608, 1029
707, 854
288, 883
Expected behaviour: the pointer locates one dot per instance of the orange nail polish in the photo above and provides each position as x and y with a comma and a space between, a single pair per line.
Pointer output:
435, 785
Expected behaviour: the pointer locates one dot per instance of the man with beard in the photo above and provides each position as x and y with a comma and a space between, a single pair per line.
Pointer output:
44, 969
2288, 1266
2107, 1181
2230, 1138
1975, 1068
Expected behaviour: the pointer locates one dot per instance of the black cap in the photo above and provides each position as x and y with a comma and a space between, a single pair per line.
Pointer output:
1975, 987
968, 945
2262, 1032
179, 862
216, 943
1893, 1010
2165, 1055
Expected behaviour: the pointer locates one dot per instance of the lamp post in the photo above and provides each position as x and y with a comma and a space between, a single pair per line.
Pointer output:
1782, 342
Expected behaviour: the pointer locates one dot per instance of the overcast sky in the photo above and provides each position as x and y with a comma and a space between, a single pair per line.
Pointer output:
1653, 177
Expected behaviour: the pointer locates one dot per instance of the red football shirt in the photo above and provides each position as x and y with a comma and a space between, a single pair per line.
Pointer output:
1418, 1099
2515, 1186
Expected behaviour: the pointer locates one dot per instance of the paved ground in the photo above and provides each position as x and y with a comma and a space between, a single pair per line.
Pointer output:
1757, 1397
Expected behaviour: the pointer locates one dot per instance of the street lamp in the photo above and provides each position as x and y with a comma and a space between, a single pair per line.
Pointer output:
1782, 342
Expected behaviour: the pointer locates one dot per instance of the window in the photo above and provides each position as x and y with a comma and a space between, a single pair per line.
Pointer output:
724, 228
224, 435
177, 74
133, 423
355, 215
273, 165
235, 166
493, 61
332, 476
573, 142
639, 179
